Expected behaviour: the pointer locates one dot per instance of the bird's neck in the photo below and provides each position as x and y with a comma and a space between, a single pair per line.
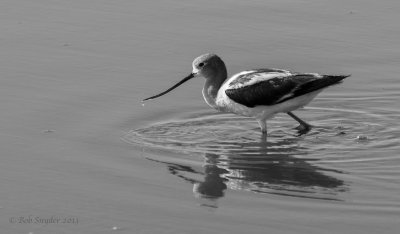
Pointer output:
212, 86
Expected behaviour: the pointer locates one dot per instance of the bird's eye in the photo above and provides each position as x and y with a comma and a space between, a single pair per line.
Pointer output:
201, 64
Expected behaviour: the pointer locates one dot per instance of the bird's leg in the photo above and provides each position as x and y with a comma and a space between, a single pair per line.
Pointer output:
263, 125
303, 127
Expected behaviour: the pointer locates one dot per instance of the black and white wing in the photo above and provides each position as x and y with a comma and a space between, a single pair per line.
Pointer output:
265, 87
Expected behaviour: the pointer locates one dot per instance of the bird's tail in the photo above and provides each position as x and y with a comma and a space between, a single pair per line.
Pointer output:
335, 79
325, 81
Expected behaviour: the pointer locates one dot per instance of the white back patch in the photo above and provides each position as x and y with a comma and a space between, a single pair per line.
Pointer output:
248, 78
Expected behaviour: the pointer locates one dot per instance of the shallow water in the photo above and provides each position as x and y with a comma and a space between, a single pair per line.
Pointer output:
76, 142
224, 151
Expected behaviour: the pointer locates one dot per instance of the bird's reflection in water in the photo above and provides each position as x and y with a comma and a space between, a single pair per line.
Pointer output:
274, 167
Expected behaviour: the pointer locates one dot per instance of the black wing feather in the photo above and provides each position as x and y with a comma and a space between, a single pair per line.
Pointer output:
277, 90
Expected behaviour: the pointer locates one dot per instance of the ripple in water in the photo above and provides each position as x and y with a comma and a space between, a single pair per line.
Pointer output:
221, 151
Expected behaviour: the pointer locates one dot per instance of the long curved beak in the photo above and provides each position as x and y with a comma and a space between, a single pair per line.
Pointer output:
172, 88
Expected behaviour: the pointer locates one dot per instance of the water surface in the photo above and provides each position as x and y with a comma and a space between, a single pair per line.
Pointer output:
77, 143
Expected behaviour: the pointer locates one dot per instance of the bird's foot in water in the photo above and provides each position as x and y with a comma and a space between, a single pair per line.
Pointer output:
303, 129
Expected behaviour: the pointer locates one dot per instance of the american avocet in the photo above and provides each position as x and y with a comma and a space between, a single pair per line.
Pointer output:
258, 93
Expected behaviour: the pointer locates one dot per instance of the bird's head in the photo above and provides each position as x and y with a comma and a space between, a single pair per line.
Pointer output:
209, 66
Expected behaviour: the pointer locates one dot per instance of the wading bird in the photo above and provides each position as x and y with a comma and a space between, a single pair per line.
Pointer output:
258, 93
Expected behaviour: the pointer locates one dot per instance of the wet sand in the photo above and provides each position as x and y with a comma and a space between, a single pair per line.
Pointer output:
73, 74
